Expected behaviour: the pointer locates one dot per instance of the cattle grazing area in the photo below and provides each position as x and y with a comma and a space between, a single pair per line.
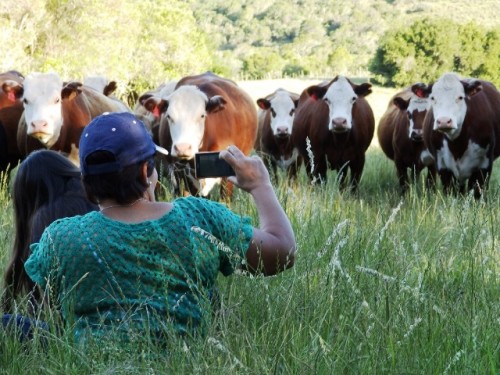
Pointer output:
383, 282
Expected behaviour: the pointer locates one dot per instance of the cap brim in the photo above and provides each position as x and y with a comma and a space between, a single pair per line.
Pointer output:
161, 150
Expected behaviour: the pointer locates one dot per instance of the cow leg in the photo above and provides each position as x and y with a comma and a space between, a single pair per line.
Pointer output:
356, 167
431, 178
447, 180
478, 181
402, 177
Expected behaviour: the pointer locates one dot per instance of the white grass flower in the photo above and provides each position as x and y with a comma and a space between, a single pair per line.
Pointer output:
332, 236
219, 346
386, 225
411, 328
221, 246
453, 361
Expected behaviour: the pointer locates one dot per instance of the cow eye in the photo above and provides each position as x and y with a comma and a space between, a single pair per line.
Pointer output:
409, 115
433, 98
25, 101
353, 99
292, 111
460, 98
57, 100
273, 113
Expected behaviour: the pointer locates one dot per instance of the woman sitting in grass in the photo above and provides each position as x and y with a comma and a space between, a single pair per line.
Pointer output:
46, 187
142, 266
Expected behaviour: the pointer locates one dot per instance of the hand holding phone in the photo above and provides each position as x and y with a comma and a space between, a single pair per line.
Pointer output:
208, 164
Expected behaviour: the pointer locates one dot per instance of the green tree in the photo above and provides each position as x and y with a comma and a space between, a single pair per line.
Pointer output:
421, 52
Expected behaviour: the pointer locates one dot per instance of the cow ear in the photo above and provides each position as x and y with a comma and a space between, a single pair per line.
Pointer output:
263, 104
153, 104
421, 90
472, 87
13, 90
364, 89
401, 103
215, 104
110, 88
71, 90
316, 92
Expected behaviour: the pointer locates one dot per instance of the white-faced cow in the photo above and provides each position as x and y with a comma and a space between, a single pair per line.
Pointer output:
56, 113
339, 123
462, 131
204, 113
275, 115
11, 109
400, 135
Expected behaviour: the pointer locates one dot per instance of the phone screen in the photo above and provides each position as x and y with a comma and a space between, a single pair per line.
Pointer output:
208, 164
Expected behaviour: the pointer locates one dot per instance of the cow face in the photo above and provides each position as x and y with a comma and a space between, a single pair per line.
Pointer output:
448, 101
340, 97
282, 112
185, 111
416, 109
42, 106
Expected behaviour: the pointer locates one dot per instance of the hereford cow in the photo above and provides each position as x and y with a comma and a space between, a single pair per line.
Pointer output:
339, 123
276, 114
55, 114
400, 136
462, 131
204, 113
11, 109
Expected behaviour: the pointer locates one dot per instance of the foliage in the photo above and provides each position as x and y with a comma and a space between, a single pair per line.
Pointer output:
141, 44
428, 48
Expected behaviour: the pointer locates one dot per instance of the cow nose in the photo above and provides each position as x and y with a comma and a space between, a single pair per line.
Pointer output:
182, 149
416, 134
444, 122
38, 125
339, 122
282, 130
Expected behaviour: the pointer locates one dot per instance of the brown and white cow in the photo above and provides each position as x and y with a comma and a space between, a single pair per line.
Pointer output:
11, 109
339, 123
462, 131
400, 135
204, 113
56, 113
273, 144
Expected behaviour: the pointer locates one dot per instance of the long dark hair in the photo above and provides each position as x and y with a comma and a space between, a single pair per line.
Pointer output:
47, 186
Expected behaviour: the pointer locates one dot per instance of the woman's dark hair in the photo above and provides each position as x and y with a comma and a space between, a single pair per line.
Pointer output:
46, 187
124, 187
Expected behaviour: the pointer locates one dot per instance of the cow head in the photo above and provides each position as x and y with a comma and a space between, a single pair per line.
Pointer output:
415, 108
42, 106
340, 96
185, 111
281, 106
448, 98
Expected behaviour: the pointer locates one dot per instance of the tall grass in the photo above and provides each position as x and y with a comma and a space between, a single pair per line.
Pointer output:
382, 284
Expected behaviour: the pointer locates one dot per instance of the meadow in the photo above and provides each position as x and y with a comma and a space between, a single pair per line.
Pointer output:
382, 284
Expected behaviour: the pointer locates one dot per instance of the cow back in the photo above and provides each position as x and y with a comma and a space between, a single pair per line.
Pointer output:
393, 120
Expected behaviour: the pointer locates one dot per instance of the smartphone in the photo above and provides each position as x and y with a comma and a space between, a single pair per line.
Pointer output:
208, 164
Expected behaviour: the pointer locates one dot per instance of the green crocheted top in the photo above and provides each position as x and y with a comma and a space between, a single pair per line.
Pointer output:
108, 274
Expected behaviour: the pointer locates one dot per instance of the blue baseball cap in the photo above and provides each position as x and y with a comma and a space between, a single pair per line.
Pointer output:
120, 133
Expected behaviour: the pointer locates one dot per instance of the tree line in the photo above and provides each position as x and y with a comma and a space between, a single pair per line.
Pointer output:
142, 44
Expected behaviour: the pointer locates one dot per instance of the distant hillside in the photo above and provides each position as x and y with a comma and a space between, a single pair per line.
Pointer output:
330, 35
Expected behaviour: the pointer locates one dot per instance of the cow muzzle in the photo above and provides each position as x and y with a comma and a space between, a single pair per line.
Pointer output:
416, 135
339, 125
445, 125
183, 151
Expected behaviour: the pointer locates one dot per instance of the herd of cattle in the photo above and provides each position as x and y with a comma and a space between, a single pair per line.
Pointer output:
451, 126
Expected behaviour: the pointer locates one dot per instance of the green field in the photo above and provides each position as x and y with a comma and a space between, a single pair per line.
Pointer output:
381, 285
